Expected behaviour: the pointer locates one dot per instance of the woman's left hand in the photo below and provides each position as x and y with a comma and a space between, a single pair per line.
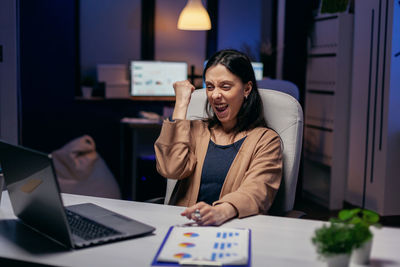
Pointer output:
210, 215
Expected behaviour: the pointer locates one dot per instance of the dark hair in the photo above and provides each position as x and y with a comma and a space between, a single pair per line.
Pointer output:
251, 113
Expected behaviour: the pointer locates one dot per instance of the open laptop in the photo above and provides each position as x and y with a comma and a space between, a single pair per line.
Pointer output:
35, 198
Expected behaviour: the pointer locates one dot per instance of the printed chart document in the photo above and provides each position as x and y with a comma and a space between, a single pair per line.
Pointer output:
205, 246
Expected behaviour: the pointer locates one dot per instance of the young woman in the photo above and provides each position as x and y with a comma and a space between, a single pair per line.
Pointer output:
229, 165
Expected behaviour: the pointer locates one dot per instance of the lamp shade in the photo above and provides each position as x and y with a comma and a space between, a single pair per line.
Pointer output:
194, 17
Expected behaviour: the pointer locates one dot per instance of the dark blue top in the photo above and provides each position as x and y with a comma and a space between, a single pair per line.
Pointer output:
215, 168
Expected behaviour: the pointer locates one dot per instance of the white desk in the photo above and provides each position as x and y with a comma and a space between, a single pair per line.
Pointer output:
276, 241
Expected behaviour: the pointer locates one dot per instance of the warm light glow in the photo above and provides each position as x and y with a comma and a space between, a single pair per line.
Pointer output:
194, 17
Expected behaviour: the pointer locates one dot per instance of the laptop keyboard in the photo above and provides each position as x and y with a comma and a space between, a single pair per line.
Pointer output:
86, 228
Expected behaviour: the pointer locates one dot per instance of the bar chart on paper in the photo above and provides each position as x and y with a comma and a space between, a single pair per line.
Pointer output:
227, 246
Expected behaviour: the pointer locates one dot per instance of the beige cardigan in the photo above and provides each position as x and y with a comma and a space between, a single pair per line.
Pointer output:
251, 182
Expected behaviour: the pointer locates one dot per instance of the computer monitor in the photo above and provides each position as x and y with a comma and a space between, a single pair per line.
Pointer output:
155, 78
258, 70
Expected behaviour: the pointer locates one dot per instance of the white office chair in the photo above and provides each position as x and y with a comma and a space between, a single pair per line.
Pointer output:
283, 114
280, 85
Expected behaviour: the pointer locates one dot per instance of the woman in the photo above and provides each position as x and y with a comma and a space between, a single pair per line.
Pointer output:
229, 165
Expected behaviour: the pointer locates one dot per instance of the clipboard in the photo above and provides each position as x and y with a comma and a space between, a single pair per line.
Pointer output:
204, 246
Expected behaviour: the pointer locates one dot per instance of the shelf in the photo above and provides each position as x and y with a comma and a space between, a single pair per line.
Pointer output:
318, 187
328, 81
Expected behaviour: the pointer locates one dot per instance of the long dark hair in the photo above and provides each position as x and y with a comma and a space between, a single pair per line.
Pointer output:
251, 113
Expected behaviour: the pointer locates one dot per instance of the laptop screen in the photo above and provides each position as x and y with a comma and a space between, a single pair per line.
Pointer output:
155, 78
33, 190
35, 197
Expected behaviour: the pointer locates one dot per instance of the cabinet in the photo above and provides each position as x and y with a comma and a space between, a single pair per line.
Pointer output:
140, 179
327, 105
374, 150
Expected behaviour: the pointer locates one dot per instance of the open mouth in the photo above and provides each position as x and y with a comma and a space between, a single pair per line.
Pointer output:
220, 109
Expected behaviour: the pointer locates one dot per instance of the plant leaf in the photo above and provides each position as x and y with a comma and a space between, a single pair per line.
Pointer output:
345, 215
370, 216
356, 220
355, 211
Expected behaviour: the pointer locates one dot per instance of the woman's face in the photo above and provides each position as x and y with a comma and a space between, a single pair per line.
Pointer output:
226, 93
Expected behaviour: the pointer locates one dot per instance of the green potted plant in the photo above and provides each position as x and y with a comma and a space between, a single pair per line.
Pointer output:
334, 243
334, 6
360, 220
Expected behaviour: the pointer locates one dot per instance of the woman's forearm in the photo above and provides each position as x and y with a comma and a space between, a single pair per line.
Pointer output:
180, 111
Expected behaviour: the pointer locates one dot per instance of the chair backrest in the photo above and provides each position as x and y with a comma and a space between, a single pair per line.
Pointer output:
283, 114
280, 85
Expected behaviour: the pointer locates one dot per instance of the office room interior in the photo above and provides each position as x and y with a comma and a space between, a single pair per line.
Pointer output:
345, 65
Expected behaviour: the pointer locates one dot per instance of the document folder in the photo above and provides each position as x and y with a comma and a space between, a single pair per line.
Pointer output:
205, 246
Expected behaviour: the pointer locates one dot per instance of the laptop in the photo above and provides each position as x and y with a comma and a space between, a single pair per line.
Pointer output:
36, 200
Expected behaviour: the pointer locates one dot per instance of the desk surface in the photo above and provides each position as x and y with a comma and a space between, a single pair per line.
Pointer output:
276, 241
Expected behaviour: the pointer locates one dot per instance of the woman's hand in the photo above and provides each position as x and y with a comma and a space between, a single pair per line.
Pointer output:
183, 93
210, 215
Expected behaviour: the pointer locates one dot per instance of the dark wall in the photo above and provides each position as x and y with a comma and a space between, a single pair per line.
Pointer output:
47, 56
49, 59
298, 23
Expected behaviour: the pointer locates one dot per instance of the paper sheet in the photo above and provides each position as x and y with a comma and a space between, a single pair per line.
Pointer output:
224, 245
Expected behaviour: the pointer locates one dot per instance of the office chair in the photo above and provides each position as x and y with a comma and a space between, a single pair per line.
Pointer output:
283, 114
280, 85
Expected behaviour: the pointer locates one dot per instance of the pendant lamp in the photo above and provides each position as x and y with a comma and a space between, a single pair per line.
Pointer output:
194, 17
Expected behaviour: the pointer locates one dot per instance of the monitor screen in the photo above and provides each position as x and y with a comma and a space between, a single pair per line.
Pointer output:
155, 78
258, 70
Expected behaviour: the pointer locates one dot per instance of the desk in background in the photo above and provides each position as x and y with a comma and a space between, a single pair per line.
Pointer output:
276, 241
140, 180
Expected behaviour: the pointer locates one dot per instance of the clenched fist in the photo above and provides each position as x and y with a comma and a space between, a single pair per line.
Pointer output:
183, 92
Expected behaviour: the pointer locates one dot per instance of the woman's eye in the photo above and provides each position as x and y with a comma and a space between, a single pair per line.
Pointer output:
209, 87
226, 87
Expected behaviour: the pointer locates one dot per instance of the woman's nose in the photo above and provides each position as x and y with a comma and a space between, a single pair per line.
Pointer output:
216, 94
